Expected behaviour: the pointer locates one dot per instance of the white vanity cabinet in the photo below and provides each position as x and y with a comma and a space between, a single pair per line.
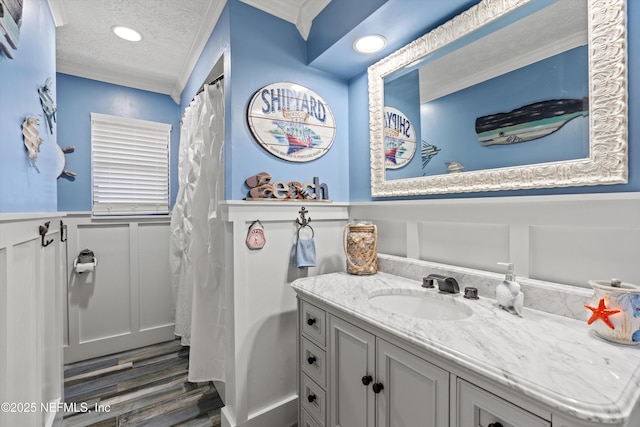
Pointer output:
491, 369
415, 393
478, 407
351, 377
369, 381
375, 383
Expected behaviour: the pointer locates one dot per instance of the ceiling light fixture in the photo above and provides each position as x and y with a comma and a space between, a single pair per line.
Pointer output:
370, 44
127, 33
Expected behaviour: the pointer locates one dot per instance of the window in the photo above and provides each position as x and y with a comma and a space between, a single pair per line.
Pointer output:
130, 166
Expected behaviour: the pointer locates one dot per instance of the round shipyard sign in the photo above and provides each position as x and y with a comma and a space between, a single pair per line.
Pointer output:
291, 122
399, 139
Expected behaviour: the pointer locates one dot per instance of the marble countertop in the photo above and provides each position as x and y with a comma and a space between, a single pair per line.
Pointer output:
555, 360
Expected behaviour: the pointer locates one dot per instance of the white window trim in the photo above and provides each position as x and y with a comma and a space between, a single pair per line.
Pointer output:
117, 208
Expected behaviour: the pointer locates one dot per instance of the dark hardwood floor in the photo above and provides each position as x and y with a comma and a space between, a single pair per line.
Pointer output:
143, 387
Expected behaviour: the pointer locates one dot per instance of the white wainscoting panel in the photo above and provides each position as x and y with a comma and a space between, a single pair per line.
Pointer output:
153, 271
392, 237
473, 245
103, 298
4, 322
127, 301
566, 239
261, 385
31, 337
576, 255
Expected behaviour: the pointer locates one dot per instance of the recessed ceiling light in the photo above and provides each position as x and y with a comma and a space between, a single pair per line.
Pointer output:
127, 33
370, 44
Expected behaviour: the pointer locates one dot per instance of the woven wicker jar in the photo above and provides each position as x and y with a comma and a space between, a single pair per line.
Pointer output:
361, 248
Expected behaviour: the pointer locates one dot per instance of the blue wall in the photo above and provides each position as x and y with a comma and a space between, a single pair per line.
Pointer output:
22, 188
259, 49
401, 94
359, 121
265, 49
77, 99
449, 122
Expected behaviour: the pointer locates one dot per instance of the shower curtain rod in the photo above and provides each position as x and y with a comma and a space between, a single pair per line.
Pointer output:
214, 81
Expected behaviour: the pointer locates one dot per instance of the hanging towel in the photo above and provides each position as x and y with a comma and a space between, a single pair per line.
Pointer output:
305, 255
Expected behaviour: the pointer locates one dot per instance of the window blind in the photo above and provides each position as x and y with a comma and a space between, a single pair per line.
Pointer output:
130, 166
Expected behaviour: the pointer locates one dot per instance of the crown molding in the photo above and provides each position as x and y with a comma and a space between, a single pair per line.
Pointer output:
57, 12
113, 76
212, 15
301, 16
306, 14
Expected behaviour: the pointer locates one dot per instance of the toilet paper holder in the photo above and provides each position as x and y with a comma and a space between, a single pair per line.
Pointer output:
85, 261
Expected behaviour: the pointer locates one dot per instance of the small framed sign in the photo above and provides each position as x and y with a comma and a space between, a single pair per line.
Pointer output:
291, 122
399, 139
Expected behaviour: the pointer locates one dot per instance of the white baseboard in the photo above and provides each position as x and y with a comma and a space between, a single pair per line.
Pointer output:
283, 413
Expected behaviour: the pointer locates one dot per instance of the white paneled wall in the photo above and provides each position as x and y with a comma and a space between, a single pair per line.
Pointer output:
564, 239
261, 355
127, 301
31, 312
478, 244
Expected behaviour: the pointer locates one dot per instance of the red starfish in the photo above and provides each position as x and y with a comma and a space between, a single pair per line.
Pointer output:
601, 312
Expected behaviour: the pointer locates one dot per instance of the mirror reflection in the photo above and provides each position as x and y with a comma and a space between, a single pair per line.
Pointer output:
512, 93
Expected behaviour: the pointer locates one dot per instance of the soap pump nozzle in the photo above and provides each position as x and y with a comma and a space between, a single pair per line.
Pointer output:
509, 276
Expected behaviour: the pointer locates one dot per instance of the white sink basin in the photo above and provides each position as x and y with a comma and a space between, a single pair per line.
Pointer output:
420, 304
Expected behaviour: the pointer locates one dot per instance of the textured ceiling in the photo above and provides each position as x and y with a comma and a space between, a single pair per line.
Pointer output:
173, 36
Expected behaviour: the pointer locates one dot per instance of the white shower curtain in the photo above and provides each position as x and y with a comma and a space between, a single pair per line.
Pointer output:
197, 234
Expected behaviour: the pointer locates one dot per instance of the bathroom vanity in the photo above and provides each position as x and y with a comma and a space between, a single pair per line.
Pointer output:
370, 364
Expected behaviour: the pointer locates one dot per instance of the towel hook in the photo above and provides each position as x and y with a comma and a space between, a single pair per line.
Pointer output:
62, 236
303, 221
44, 229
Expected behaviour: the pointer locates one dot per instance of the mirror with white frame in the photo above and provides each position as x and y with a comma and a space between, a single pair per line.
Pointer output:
512, 94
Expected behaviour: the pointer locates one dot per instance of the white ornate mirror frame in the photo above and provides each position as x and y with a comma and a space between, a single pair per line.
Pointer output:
608, 127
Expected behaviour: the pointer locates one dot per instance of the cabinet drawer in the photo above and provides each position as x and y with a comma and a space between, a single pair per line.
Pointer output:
313, 322
478, 407
313, 399
313, 361
307, 420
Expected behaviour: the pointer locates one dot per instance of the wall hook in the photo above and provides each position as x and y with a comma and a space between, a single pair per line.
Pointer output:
62, 228
44, 229
303, 221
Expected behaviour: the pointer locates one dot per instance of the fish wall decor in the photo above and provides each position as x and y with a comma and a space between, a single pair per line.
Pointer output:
428, 151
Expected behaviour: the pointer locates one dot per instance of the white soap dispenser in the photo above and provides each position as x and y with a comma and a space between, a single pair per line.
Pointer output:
508, 294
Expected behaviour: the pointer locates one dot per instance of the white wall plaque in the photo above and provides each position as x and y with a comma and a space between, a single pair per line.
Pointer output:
399, 138
291, 122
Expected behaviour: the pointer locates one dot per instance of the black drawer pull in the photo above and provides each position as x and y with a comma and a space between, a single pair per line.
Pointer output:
311, 360
311, 321
495, 425
377, 387
311, 398
366, 380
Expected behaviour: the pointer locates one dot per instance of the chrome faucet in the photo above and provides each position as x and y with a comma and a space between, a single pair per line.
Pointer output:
445, 283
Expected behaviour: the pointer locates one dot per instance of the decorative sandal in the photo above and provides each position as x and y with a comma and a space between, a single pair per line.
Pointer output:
295, 190
262, 192
258, 180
